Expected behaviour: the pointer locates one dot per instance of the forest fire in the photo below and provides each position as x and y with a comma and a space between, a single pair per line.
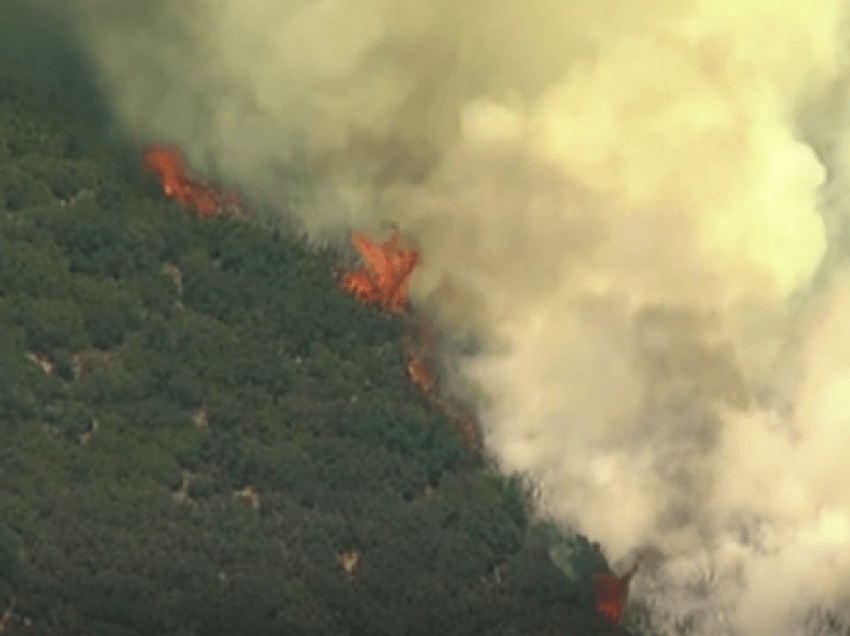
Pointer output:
418, 372
202, 198
416, 357
383, 279
611, 593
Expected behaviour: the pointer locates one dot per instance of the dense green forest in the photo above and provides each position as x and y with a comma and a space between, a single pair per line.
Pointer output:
153, 365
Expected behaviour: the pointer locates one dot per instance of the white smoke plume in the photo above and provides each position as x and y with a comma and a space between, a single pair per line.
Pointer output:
638, 204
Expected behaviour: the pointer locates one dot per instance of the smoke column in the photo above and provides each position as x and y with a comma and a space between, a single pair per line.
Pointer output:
637, 205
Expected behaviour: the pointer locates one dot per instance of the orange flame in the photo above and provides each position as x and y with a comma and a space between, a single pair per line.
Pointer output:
204, 199
611, 593
420, 375
416, 366
384, 277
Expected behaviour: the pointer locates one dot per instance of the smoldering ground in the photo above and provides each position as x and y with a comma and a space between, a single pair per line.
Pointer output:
639, 206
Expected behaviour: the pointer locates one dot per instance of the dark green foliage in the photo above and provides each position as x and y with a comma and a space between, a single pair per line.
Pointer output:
108, 312
112, 245
9, 566
24, 389
71, 420
156, 413
32, 269
251, 369
47, 323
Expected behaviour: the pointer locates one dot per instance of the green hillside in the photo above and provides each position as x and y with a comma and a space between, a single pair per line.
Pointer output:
153, 364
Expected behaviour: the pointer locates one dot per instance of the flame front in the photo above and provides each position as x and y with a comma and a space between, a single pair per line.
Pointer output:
383, 280
203, 198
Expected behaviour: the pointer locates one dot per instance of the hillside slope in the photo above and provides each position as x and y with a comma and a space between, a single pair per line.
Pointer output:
153, 366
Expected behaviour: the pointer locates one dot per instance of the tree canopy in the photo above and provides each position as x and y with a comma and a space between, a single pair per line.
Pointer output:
153, 366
